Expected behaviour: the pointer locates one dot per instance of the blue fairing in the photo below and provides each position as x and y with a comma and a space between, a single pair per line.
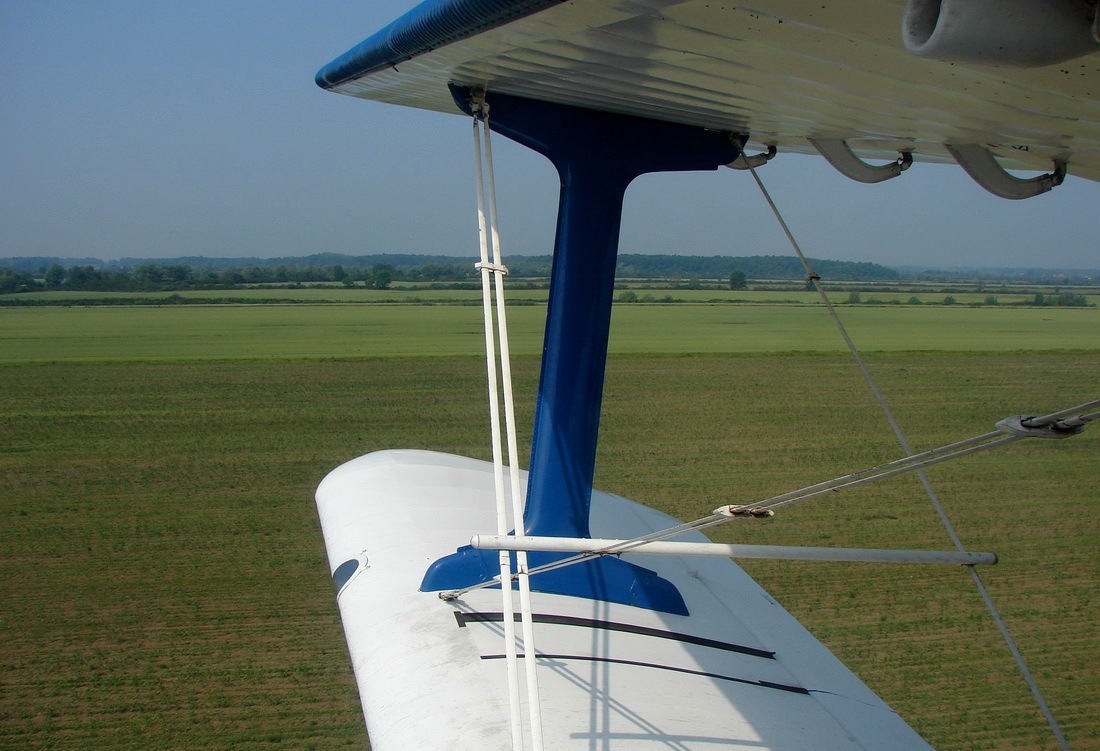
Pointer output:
430, 25
606, 578
597, 155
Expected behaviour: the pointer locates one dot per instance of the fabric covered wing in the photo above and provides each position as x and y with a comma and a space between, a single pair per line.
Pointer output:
783, 71
739, 672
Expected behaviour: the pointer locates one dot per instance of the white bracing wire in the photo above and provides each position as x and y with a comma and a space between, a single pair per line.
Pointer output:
491, 240
933, 497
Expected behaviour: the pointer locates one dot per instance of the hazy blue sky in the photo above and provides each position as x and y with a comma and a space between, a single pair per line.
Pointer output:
194, 128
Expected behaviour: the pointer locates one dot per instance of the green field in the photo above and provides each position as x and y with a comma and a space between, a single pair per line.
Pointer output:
164, 576
517, 293
236, 332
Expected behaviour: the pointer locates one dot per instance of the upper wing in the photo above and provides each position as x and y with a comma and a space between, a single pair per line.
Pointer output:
783, 71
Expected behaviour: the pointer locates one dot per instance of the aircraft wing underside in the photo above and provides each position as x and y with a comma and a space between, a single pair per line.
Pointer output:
783, 71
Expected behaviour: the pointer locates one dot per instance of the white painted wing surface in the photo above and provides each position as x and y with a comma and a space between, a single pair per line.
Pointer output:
783, 71
739, 672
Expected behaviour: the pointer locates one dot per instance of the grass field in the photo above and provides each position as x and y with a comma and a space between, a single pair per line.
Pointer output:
323, 331
517, 293
164, 577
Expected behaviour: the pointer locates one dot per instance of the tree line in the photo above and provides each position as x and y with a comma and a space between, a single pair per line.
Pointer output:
379, 271
150, 277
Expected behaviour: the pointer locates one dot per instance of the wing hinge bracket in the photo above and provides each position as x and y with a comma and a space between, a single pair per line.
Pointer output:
837, 153
745, 161
983, 167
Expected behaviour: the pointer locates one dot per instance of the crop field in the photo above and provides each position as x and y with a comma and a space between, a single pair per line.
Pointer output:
164, 578
219, 332
537, 292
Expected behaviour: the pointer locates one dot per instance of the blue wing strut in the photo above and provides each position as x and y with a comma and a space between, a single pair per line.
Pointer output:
597, 155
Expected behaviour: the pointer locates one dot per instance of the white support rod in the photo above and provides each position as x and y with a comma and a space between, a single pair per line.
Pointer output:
498, 461
530, 659
913, 462
1073, 413
725, 514
527, 623
664, 534
725, 550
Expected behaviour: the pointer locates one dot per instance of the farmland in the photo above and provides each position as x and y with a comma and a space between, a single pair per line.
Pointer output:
106, 333
164, 577
536, 291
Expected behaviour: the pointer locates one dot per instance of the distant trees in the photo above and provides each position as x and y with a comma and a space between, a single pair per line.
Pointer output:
1062, 300
230, 277
147, 273
12, 280
440, 272
1067, 300
89, 278
756, 267
54, 276
381, 276
178, 273
382, 271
